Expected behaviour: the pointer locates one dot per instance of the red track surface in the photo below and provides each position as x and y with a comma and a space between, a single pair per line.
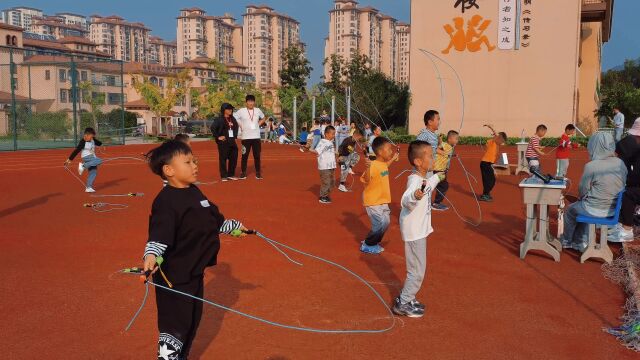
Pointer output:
57, 299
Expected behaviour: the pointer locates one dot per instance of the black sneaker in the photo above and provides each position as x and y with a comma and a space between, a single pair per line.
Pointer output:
243, 176
486, 198
258, 176
324, 200
406, 309
417, 304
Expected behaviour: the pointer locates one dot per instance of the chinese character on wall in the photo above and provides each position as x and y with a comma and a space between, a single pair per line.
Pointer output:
466, 5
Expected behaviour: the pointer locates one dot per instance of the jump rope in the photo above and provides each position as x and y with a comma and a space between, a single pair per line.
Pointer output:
144, 277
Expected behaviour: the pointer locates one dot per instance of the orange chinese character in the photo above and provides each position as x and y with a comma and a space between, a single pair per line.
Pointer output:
472, 39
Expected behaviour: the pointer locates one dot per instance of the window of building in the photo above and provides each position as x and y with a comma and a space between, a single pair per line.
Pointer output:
47, 74
63, 95
62, 73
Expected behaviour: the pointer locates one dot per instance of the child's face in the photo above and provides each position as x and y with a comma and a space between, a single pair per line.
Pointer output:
571, 132
499, 140
181, 171
453, 140
541, 133
386, 152
435, 123
330, 135
377, 132
425, 162
87, 137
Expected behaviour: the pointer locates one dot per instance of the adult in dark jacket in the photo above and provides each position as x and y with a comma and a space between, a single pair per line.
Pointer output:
225, 133
628, 150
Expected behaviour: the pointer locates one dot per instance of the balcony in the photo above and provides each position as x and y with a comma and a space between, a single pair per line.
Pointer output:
599, 11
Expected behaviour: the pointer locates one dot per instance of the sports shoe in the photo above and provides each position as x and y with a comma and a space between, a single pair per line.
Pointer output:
486, 198
439, 207
343, 188
620, 234
417, 304
225, 179
301, 150
406, 309
80, 168
324, 200
375, 249
351, 171
232, 178
243, 176
259, 176
89, 190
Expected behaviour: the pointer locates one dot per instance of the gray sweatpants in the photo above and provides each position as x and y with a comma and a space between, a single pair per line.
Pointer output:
415, 253
350, 162
327, 181
562, 167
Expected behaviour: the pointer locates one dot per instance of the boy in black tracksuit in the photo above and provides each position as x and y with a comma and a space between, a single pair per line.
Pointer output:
184, 229
225, 132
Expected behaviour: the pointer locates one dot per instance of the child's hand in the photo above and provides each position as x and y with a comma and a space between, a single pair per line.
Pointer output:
150, 263
396, 157
67, 162
442, 176
418, 194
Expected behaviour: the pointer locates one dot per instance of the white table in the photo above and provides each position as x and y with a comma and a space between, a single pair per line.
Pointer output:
523, 165
537, 235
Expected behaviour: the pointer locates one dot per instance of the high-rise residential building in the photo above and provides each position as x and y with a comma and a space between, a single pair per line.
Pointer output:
200, 35
403, 32
74, 19
162, 52
124, 40
266, 35
56, 27
366, 31
21, 16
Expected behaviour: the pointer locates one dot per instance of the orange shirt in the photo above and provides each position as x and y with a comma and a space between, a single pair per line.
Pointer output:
377, 191
491, 154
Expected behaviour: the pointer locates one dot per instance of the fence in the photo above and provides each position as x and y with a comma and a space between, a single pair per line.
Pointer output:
47, 99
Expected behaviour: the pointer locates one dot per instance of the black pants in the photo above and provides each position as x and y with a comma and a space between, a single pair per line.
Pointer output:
441, 190
630, 200
488, 177
228, 157
178, 318
248, 145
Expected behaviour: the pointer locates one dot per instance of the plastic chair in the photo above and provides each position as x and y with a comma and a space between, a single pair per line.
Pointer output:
600, 250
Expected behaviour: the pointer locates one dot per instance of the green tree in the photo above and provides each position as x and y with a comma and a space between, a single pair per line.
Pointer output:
94, 99
621, 88
336, 64
296, 68
160, 100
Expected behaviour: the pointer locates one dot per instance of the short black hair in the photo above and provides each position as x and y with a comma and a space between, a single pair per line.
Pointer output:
541, 127
304, 128
317, 122
429, 115
452, 133
569, 127
416, 149
182, 137
504, 135
163, 154
356, 132
90, 130
249, 98
378, 143
329, 128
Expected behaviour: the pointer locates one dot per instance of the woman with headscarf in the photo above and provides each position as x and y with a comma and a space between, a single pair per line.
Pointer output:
603, 178
225, 133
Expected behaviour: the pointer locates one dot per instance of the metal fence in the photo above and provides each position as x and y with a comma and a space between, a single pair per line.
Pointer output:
47, 99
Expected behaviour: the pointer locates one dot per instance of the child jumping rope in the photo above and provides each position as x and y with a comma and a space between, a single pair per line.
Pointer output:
184, 230
89, 159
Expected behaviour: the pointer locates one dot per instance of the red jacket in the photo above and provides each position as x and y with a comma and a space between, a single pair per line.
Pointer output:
563, 148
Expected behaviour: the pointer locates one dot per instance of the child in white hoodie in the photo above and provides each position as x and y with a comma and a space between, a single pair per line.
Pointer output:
415, 226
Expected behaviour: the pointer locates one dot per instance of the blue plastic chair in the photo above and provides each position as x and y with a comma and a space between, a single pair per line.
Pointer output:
600, 250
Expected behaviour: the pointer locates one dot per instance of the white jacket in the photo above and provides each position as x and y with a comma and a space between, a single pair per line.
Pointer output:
415, 216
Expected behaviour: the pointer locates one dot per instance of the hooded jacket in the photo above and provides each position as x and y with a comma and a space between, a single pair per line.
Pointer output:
603, 177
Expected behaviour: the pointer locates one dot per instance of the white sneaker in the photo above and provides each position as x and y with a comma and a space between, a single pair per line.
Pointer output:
89, 190
351, 171
342, 188
301, 150
626, 235
620, 234
80, 168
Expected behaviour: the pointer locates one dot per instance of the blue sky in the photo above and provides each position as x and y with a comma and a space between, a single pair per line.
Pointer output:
160, 16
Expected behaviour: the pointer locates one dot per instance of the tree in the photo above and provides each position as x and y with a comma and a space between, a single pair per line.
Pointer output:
95, 100
621, 89
296, 68
160, 100
359, 66
336, 63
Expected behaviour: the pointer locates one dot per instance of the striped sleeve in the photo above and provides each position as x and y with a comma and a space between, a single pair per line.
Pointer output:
229, 225
154, 248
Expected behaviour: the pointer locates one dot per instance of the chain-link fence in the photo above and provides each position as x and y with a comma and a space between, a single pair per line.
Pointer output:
47, 99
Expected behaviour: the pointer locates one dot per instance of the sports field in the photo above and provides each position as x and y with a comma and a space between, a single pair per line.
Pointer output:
60, 296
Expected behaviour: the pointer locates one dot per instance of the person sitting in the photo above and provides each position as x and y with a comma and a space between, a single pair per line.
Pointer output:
603, 178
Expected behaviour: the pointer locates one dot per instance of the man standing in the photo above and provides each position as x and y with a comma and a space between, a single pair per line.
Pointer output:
250, 119
618, 123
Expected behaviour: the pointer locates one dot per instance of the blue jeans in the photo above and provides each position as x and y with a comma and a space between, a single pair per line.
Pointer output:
91, 163
618, 134
575, 234
380, 216
316, 140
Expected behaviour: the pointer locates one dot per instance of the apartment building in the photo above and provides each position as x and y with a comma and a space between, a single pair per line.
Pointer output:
121, 39
200, 35
366, 31
266, 35
162, 52
57, 27
403, 32
74, 19
21, 16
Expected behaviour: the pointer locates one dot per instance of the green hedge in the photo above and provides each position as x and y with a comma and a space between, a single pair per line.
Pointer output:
481, 140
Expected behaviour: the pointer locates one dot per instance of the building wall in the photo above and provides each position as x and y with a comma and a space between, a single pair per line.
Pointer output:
403, 53
511, 89
590, 73
123, 40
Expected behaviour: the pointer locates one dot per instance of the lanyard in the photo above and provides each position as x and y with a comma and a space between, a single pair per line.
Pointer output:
251, 114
